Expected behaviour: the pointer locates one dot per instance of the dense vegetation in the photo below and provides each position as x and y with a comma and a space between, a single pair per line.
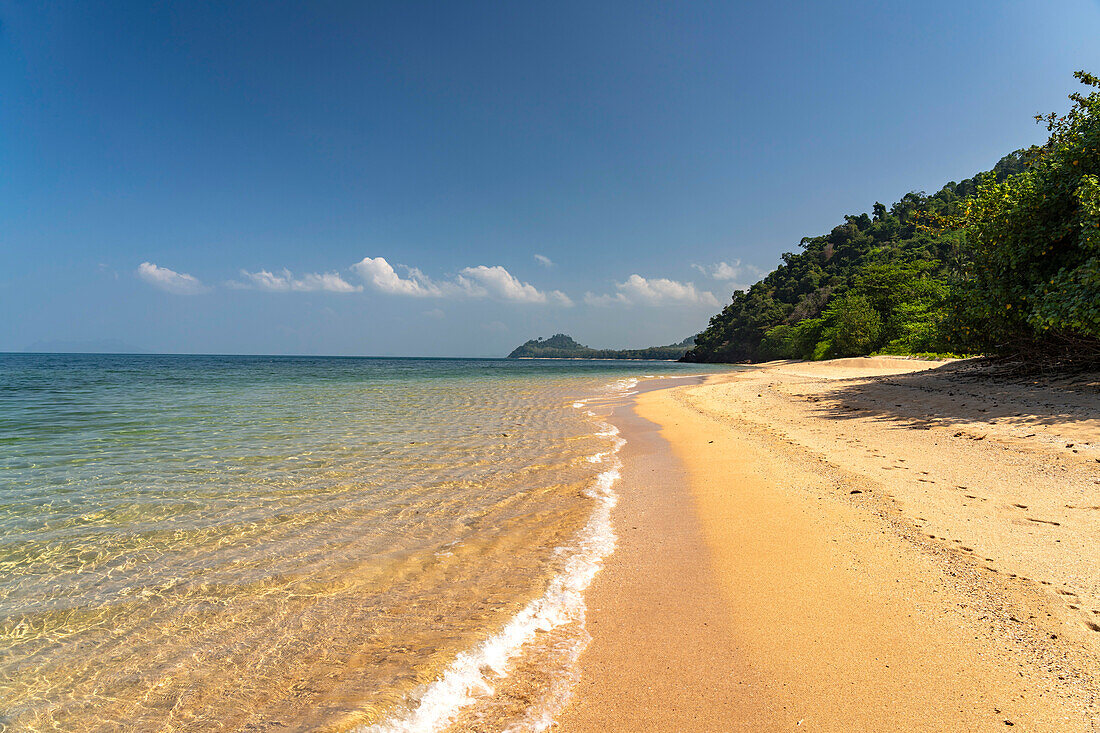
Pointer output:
560, 346
1004, 263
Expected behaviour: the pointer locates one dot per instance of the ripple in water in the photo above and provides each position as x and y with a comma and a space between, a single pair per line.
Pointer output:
248, 542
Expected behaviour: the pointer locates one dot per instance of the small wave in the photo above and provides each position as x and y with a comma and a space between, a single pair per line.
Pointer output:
469, 676
624, 385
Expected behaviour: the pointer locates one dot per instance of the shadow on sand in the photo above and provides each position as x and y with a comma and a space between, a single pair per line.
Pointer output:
964, 392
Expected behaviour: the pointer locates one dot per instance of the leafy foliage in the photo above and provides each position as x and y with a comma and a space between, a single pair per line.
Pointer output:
1005, 262
855, 326
1031, 283
888, 263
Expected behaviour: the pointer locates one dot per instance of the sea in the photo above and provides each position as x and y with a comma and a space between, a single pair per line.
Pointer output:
253, 543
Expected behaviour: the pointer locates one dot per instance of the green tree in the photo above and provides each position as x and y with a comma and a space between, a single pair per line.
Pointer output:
854, 326
1032, 279
1005, 262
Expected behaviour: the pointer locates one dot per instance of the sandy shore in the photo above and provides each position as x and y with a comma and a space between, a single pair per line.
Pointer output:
863, 544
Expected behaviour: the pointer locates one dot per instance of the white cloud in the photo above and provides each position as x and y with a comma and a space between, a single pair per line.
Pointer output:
638, 290
617, 299
380, 274
471, 282
544, 260
721, 271
285, 282
435, 313
179, 283
499, 283
726, 271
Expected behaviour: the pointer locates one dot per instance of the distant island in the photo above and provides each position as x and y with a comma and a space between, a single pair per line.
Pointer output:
560, 346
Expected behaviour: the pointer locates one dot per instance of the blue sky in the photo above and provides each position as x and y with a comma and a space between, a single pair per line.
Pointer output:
455, 178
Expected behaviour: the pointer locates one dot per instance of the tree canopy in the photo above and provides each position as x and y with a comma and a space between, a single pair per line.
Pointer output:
1007, 262
1031, 280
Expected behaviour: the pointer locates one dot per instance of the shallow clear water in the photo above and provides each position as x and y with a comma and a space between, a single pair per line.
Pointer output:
199, 543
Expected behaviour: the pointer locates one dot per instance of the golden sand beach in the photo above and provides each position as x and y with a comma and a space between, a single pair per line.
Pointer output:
857, 545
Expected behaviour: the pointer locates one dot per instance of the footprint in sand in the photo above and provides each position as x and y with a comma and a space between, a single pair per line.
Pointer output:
1044, 521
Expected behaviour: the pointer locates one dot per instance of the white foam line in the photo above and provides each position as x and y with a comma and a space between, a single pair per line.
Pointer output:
625, 384
468, 676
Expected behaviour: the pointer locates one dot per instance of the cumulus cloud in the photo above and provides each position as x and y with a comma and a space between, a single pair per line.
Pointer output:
179, 283
499, 283
285, 282
472, 282
726, 271
381, 275
544, 260
638, 290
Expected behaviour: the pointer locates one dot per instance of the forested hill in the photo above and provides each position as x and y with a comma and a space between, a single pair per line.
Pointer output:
884, 262
1007, 262
560, 346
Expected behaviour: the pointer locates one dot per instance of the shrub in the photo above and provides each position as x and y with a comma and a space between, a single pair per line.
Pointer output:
1032, 279
854, 326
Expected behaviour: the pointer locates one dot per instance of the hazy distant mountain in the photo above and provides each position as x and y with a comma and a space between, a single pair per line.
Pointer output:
560, 346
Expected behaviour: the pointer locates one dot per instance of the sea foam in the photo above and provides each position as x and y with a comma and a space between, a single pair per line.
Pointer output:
470, 676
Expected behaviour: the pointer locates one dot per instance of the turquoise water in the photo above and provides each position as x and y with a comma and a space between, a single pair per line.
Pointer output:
198, 543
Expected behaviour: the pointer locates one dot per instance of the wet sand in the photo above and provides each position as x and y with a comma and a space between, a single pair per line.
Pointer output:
868, 544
